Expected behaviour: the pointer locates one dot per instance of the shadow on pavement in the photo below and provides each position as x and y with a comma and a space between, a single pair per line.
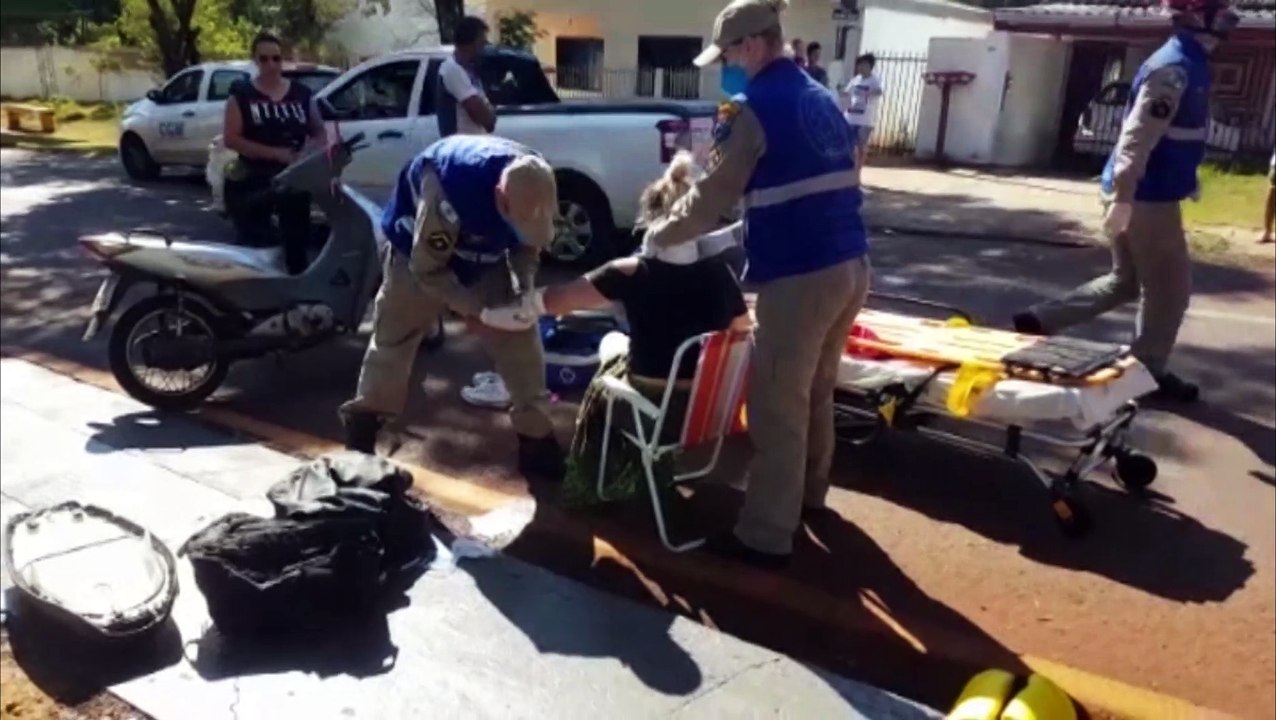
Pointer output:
842, 604
358, 647
1003, 502
152, 431
72, 668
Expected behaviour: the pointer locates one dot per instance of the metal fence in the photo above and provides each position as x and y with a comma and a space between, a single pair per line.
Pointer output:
584, 81
895, 131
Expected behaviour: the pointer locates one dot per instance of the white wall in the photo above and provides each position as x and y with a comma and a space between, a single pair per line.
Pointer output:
1028, 126
907, 26
44, 72
973, 109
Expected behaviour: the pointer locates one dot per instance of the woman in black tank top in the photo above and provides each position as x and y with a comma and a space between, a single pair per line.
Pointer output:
268, 121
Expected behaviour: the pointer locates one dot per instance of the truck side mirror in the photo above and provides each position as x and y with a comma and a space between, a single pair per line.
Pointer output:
154, 95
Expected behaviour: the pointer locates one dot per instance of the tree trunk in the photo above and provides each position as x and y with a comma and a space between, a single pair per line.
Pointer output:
448, 13
178, 46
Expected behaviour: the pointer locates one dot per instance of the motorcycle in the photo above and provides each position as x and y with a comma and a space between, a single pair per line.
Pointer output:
218, 303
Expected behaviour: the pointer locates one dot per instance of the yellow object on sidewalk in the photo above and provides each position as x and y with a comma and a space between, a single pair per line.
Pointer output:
1040, 700
984, 696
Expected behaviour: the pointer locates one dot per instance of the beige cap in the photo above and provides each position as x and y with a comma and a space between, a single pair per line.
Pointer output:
739, 20
529, 185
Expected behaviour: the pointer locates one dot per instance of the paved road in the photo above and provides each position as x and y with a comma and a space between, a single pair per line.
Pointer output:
950, 555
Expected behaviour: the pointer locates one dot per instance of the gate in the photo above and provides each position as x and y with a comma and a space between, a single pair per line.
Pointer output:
895, 132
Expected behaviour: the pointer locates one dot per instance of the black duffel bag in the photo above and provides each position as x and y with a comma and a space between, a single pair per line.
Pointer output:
344, 525
264, 575
350, 483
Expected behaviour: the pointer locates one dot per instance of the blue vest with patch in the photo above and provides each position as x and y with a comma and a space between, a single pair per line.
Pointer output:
469, 169
802, 205
1171, 168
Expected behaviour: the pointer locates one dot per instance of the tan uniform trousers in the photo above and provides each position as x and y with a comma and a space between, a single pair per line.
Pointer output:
802, 326
1151, 264
405, 312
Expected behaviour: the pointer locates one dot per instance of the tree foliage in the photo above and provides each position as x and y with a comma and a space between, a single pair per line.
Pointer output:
177, 33
302, 24
518, 29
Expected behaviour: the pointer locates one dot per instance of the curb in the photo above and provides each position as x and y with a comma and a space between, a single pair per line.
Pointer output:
1100, 697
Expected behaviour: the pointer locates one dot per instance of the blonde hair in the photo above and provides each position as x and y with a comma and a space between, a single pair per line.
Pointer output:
658, 198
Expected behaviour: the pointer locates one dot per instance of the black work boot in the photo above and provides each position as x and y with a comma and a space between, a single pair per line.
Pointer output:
1027, 323
361, 432
541, 458
1172, 387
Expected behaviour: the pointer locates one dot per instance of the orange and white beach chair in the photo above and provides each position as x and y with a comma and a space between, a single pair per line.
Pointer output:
716, 410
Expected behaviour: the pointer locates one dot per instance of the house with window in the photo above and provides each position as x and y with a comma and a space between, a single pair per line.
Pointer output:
1102, 43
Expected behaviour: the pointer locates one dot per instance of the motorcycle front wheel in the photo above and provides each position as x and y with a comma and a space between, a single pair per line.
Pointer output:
160, 353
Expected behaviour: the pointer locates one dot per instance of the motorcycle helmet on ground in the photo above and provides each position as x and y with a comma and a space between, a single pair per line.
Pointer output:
1212, 17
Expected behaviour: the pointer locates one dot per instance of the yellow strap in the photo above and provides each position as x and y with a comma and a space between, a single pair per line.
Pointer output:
969, 385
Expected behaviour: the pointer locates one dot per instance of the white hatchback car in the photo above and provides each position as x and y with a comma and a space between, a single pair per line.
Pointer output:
174, 124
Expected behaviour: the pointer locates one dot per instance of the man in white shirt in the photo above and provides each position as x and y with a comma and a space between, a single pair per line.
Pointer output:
461, 105
861, 96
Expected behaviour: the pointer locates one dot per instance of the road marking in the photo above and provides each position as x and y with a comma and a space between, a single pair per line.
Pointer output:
1096, 693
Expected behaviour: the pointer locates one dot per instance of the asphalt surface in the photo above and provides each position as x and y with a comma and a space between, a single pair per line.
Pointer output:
952, 556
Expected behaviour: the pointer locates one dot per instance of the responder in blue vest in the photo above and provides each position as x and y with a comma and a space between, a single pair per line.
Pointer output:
1151, 170
466, 226
783, 148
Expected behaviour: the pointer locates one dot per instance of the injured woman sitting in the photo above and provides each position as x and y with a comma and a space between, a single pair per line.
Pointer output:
668, 296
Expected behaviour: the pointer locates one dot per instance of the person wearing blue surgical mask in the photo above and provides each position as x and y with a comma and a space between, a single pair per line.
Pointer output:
783, 148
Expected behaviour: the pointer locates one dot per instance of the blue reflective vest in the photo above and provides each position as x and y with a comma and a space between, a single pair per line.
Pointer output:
1171, 168
469, 169
802, 205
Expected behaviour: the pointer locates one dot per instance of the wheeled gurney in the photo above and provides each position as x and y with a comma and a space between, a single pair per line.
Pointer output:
922, 378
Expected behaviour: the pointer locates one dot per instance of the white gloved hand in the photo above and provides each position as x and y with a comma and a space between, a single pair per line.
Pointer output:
519, 316
1117, 221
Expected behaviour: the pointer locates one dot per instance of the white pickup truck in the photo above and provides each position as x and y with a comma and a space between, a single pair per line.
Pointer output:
604, 152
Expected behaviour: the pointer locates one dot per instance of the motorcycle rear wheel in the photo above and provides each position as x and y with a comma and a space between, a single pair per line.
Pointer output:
125, 352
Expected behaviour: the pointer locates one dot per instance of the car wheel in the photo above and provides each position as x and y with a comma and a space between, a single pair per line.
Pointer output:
137, 160
585, 234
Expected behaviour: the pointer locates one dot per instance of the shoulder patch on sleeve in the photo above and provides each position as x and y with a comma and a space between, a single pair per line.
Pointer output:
727, 113
1159, 109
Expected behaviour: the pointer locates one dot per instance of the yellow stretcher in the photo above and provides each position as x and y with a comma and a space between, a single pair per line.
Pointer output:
948, 378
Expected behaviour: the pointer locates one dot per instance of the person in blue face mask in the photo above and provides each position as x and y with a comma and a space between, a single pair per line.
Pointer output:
1151, 171
783, 148
466, 225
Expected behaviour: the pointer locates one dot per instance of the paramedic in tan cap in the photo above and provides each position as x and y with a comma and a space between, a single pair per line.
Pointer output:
466, 226
783, 149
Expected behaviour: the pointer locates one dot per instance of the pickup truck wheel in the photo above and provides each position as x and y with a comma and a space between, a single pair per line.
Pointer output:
136, 159
586, 233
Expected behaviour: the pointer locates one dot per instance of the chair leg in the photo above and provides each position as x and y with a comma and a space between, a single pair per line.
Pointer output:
705, 469
602, 461
658, 509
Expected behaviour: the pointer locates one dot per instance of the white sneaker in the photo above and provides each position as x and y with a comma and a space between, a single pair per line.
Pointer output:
489, 394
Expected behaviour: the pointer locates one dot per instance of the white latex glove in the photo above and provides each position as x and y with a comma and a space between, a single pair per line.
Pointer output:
1117, 221
519, 316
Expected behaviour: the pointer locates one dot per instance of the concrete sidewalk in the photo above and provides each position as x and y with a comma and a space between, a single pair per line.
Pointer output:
1007, 206
483, 638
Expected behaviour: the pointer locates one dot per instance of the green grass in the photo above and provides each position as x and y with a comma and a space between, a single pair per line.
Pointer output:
81, 127
1228, 199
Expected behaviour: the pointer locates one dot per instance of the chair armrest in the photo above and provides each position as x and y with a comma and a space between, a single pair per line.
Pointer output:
617, 388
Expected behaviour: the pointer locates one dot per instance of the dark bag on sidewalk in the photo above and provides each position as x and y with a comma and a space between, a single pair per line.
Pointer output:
344, 524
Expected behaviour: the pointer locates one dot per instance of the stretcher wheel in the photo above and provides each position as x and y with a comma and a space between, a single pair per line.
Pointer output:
1135, 471
1072, 517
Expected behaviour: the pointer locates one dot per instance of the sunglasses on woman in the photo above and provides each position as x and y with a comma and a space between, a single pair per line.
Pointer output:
269, 58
